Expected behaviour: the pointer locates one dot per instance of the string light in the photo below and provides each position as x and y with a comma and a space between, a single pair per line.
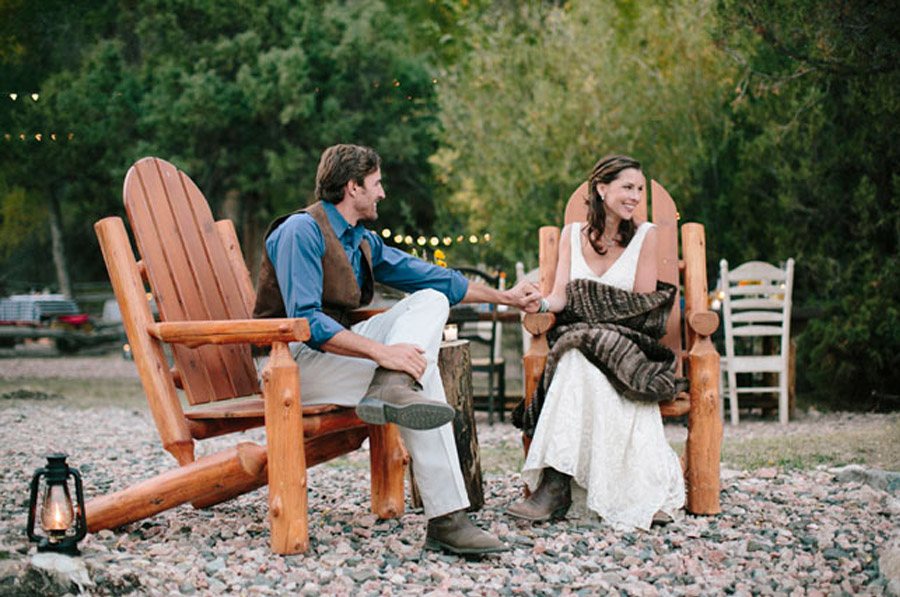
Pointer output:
35, 96
13, 96
433, 241
38, 136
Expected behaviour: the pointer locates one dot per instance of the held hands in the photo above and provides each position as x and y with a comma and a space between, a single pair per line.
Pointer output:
524, 295
407, 358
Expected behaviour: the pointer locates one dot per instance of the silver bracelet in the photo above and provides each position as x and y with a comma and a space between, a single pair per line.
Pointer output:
545, 306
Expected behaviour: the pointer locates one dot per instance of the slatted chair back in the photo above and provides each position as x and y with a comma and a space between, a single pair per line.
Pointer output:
193, 274
757, 304
688, 335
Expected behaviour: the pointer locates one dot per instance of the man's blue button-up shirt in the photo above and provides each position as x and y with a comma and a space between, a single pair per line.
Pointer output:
296, 248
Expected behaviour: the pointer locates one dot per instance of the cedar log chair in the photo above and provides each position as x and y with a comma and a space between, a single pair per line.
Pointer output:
196, 272
695, 351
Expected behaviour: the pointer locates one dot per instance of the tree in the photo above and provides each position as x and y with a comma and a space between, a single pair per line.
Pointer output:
243, 97
814, 151
547, 90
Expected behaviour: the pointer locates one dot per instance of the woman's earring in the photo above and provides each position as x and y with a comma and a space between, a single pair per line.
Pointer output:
601, 197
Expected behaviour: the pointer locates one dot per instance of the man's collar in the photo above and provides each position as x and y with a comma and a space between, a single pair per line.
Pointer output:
339, 224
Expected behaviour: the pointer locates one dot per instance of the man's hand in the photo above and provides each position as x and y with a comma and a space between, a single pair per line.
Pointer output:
408, 358
525, 295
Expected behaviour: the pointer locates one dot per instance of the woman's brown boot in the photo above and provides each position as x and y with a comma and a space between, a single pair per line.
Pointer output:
550, 500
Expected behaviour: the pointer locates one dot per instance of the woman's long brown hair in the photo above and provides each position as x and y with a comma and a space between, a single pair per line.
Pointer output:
605, 171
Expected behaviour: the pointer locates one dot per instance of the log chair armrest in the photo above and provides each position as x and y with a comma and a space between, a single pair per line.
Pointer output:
538, 324
704, 323
231, 331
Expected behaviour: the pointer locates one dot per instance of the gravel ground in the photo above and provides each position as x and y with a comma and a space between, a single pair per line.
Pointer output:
797, 532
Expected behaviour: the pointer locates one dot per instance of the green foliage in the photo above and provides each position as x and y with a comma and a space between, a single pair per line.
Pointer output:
546, 91
242, 96
810, 150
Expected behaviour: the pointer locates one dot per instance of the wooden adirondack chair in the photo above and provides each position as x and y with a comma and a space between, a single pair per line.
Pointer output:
202, 288
695, 351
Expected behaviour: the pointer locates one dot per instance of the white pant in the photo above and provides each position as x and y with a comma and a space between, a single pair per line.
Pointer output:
327, 378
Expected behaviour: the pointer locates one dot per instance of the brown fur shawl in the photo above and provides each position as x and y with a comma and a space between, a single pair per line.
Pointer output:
618, 331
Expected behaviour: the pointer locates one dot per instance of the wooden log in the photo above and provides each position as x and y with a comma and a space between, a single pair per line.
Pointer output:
240, 466
388, 460
455, 364
149, 358
318, 450
548, 255
704, 442
231, 331
287, 461
232, 246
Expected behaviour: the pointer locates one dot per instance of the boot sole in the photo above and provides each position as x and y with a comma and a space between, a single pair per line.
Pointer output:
412, 416
435, 545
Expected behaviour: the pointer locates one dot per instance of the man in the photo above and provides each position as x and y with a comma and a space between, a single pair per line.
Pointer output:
321, 263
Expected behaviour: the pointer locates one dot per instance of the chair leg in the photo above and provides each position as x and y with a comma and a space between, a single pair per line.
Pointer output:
501, 384
733, 396
782, 398
287, 454
388, 459
490, 396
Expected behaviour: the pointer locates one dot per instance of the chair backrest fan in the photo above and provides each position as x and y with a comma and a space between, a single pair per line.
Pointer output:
190, 275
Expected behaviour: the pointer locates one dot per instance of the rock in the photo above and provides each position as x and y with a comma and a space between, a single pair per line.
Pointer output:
889, 564
214, 566
879, 479
55, 574
767, 473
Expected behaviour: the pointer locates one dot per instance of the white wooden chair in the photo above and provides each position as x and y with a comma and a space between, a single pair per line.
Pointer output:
757, 303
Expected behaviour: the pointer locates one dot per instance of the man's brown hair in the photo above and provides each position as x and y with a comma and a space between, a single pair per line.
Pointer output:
339, 165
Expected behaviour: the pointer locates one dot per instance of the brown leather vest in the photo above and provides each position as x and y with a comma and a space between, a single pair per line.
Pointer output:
340, 290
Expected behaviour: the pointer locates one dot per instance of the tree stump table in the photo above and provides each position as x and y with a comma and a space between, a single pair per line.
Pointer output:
455, 364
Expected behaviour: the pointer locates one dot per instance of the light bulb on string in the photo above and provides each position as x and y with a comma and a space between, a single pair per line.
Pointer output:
408, 239
13, 96
487, 237
386, 233
34, 97
398, 239
421, 241
447, 240
434, 241
473, 239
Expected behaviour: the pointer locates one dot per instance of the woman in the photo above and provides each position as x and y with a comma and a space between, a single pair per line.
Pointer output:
592, 443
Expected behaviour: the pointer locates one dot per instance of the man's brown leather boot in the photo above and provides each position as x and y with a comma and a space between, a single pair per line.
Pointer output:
455, 533
550, 500
395, 397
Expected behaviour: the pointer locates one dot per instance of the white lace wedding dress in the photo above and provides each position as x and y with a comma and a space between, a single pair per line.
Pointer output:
622, 467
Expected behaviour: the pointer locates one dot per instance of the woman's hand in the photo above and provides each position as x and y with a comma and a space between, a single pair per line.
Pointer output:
525, 296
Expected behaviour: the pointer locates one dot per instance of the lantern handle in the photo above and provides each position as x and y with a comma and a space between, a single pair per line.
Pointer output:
81, 524
32, 502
